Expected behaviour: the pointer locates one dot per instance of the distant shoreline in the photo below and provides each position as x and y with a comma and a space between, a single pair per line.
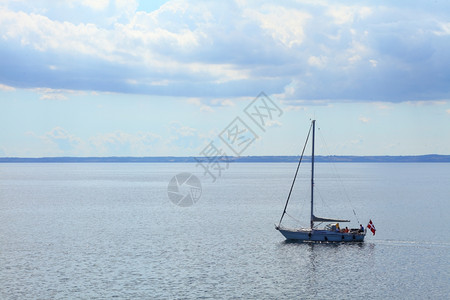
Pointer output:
434, 158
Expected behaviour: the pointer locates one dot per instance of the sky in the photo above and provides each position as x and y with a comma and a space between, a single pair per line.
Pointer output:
184, 78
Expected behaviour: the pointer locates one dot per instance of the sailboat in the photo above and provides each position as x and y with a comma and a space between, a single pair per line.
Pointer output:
331, 232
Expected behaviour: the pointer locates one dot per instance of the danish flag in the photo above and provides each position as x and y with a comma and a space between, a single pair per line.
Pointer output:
371, 227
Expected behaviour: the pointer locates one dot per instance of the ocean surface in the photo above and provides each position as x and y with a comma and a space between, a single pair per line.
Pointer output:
103, 231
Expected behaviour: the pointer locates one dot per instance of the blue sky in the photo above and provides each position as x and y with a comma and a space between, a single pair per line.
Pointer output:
159, 78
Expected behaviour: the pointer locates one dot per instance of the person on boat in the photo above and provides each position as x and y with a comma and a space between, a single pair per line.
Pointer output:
361, 228
338, 229
346, 230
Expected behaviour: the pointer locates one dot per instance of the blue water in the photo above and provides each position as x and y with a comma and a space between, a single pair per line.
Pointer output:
102, 231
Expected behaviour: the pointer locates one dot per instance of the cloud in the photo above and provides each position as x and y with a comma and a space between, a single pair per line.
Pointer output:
61, 141
101, 12
290, 32
319, 62
208, 105
6, 88
430, 102
347, 14
121, 143
299, 50
373, 62
51, 94
198, 102
227, 102
184, 137
273, 123
58, 141
382, 105
182, 130
97, 4
443, 30
364, 119
206, 108
294, 108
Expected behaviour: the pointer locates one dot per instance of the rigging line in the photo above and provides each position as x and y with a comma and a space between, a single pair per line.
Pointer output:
296, 172
324, 203
293, 218
333, 160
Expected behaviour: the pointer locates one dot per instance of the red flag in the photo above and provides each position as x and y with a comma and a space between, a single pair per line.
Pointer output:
371, 227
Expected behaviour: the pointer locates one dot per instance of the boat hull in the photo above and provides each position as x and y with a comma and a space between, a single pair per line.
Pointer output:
319, 235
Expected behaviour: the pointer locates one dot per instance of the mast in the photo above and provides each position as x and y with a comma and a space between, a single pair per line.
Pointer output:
312, 173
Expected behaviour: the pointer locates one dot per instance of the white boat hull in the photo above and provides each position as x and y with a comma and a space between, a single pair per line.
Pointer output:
320, 235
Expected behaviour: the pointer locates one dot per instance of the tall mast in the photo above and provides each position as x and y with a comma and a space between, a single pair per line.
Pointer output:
312, 173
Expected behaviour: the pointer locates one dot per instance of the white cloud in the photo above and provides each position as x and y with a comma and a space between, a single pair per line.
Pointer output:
184, 137
54, 94
358, 141
53, 97
273, 123
49, 94
227, 102
294, 108
182, 130
290, 32
44, 34
311, 50
444, 29
348, 14
221, 102
364, 119
316, 61
203, 107
427, 103
195, 101
59, 133
7, 88
61, 142
121, 143
382, 105
206, 108
208, 105
96, 4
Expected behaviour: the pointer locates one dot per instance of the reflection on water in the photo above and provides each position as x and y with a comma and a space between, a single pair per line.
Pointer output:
109, 231
325, 269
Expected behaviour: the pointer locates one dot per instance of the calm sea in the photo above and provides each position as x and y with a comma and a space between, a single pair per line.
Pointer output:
102, 231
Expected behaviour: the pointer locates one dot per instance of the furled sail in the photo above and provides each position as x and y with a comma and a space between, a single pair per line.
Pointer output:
317, 219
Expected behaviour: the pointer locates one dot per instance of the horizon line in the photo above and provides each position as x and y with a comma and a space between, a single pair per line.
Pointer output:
185, 156
227, 159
